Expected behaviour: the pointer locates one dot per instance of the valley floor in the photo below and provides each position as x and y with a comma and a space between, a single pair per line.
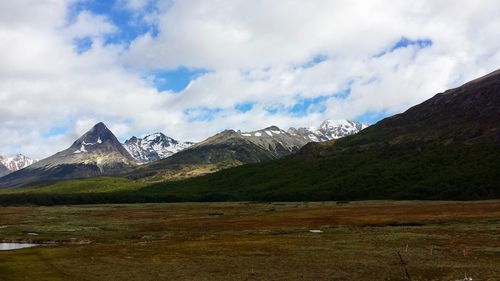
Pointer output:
254, 241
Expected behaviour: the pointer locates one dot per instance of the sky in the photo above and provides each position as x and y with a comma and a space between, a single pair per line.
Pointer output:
192, 68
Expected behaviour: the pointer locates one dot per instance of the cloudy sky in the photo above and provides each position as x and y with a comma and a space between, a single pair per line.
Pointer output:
191, 68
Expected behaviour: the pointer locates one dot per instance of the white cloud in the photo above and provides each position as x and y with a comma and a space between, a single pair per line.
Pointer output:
255, 51
87, 24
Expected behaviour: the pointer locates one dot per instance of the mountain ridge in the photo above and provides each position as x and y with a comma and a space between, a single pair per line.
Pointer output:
226, 149
447, 147
98, 152
329, 130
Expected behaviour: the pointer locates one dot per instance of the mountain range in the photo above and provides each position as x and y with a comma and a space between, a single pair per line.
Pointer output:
158, 146
14, 163
447, 147
223, 150
159, 157
234, 148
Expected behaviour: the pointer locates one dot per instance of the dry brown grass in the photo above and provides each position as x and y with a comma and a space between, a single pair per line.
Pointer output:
246, 241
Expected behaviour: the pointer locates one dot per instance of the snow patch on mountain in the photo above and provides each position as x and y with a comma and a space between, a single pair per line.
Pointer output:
81, 150
16, 162
275, 140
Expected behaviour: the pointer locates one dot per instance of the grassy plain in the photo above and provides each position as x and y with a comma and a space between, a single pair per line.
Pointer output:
254, 241
79, 186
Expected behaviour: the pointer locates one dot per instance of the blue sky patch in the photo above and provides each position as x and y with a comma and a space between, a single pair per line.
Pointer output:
405, 42
82, 44
244, 106
315, 60
372, 117
55, 131
275, 109
175, 80
130, 25
201, 114
344, 93
304, 106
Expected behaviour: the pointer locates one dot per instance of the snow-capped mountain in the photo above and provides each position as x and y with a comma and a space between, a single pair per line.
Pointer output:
95, 153
226, 149
275, 140
231, 148
246, 147
154, 147
16, 162
329, 129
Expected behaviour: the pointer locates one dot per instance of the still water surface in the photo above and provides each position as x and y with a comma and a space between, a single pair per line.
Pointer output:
14, 246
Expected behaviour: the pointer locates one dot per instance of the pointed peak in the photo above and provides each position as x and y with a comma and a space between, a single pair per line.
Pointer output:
154, 136
99, 129
273, 128
99, 126
20, 156
227, 132
336, 123
224, 134
132, 139
95, 136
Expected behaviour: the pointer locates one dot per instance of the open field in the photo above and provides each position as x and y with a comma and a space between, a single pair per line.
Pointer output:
254, 241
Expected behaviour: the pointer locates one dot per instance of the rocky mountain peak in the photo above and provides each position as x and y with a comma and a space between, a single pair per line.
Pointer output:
329, 123
273, 128
17, 162
95, 136
153, 147
97, 152
328, 130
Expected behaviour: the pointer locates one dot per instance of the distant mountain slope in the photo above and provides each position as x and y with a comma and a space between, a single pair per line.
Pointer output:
447, 147
329, 130
96, 153
4, 170
154, 147
467, 114
17, 162
226, 149
276, 141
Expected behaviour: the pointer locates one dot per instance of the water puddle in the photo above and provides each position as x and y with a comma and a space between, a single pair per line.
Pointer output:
15, 246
